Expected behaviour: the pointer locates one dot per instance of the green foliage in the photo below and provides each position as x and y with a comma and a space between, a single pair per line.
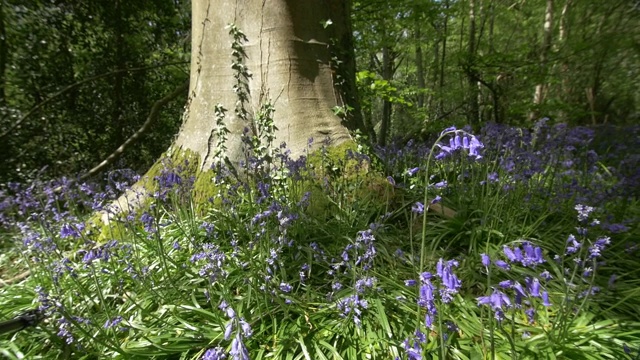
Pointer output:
125, 47
588, 74
312, 261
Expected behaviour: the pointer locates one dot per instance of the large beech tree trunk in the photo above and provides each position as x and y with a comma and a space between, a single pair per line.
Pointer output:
301, 59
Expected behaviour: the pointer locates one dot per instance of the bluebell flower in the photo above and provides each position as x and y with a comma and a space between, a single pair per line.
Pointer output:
545, 299
246, 328
352, 306
366, 282
391, 180
583, 212
573, 245
228, 329
169, 179
238, 350
418, 208
413, 171
285, 287
532, 255
426, 297
546, 275
113, 322
413, 351
534, 286
530, 312
148, 222
441, 185
510, 254
69, 230
498, 302
502, 264
595, 250
449, 279
216, 353
486, 260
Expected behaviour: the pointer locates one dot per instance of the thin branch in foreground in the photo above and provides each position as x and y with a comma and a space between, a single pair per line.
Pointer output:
153, 115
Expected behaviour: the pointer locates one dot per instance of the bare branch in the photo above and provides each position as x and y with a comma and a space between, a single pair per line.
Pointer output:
153, 115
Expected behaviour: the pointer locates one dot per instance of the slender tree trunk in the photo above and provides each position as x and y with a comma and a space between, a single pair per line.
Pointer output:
473, 106
563, 35
420, 68
445, 24
3, 55
541, 88
117, 118
387, 74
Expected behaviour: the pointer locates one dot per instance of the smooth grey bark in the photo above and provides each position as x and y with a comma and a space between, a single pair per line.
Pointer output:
443, 58
541, 88
473, 105
3, 55
387, 74
420, 68
298, 65
289, 53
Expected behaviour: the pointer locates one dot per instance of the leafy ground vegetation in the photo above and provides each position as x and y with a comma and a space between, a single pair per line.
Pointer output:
511, 244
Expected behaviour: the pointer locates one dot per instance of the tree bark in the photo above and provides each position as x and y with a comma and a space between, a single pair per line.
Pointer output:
3, 55
117, 115
563, 35
541, 87
289, 53
290, 50
474, 108
420, 68
444, 35
387, 74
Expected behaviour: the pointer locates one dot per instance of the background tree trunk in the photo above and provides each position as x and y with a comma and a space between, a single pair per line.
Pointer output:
541, 87
289, 52
387, 74
474, 107
3, 54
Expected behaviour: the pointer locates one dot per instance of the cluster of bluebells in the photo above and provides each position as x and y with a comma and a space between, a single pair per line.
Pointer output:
211, 260
363, 251
398, 155
449, 286
526, 255
357, 257
115, 323
460, 141
412, 346
352, 307
103, 252
65, 325
571, 153
586, 255
172, 180
242, 331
